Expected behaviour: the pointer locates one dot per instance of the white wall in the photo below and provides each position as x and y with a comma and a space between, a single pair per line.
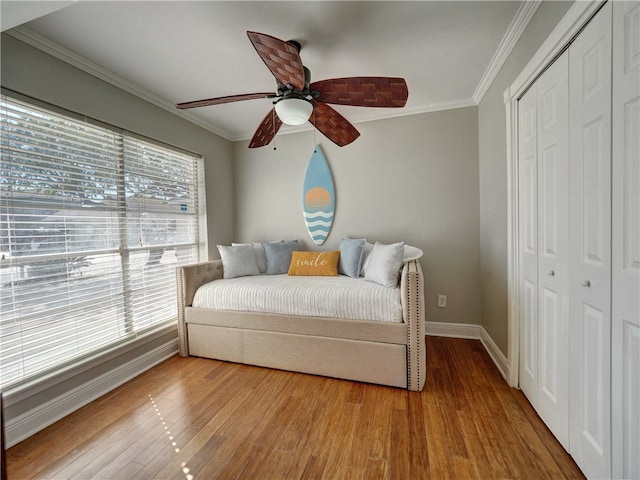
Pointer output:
412, 178
493, 172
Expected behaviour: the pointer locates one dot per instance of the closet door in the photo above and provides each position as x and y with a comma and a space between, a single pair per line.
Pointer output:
528, 235
626, 241
544, 250
553, 248
590, 190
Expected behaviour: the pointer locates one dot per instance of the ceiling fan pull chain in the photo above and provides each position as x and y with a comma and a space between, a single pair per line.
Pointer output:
273, 127
315, 144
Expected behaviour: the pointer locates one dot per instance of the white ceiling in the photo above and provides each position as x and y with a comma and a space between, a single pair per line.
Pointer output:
177, 51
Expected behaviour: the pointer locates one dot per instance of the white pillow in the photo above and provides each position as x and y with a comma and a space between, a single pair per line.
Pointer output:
261, 258
238, 261
368, 248
409, 253
384, 264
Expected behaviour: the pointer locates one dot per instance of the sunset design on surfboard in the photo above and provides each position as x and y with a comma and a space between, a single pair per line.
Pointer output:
318, 198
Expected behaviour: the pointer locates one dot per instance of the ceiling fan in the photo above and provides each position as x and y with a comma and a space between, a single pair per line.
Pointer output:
298, 101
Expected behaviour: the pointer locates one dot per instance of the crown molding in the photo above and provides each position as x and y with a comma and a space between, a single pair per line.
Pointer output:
517, 26
432, 107
56, 50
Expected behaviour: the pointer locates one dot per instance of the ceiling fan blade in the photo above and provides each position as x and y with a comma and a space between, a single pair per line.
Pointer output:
228, 99
363, 91
266, 130
333, 125
280, 57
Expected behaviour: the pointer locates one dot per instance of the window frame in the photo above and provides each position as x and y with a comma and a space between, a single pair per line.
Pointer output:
148, 333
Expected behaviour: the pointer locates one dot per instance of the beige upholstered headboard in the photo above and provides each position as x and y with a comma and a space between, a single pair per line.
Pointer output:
189, 278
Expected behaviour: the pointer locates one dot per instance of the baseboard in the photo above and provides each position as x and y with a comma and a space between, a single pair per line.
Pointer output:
454, 330
466, 330
496, 354
29, 423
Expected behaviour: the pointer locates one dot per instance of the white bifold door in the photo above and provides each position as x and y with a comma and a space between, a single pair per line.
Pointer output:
590, 187
544, 247
579, 244
625, 301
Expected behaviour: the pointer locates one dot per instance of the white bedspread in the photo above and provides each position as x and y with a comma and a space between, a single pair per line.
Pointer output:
333, 297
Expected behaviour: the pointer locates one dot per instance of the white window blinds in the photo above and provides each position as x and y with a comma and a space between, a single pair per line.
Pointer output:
92, 225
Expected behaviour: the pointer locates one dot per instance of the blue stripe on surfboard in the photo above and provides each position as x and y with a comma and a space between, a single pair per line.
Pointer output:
309, 214
319, 228
316, 223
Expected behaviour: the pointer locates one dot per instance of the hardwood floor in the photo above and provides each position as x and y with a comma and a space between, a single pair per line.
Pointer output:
191, 418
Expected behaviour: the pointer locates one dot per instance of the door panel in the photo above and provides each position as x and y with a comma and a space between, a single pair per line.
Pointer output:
626, 428
530, 345
590, 224
626, 241
553, 248
528, 235
550, 385
594, 189
591, 401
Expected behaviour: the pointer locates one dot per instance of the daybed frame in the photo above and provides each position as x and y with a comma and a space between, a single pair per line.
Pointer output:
375, 352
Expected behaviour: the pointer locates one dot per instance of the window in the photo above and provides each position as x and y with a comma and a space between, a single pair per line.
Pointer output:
93, 223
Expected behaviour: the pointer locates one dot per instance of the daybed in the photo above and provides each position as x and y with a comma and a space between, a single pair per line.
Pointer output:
368, 351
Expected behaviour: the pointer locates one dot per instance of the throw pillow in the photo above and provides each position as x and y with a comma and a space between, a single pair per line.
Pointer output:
314, 263
279, 256
238, 261
384, 264
368, 248
261, 258
351, 256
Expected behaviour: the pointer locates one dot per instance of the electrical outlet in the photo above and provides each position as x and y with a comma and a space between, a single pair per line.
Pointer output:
442, 301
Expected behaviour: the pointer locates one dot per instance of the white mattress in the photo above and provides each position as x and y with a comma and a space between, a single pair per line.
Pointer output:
333, 297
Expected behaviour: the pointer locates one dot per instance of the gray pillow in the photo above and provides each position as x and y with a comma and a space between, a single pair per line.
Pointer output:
279, 256
351, 256
260, 256
384, 264
238, 261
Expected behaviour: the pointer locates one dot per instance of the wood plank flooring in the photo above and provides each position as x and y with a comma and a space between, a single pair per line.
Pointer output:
197, 419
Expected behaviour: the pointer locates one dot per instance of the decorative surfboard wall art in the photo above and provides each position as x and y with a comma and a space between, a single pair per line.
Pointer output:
318, 197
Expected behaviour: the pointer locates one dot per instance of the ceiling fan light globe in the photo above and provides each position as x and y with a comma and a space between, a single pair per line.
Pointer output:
294, 111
